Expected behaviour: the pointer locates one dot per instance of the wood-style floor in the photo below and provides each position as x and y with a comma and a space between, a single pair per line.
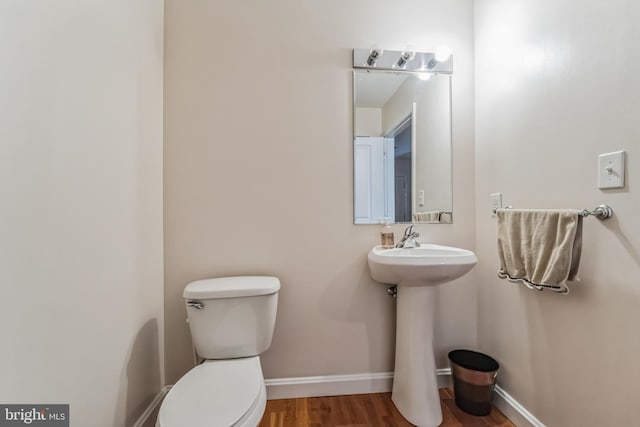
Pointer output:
360, 410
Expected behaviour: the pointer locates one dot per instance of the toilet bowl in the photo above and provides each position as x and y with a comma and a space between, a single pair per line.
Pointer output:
231, 321
216, 393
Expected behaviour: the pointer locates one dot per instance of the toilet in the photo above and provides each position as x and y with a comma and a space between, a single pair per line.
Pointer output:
231, 321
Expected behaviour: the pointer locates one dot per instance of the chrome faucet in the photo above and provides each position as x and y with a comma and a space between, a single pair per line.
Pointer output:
409, 238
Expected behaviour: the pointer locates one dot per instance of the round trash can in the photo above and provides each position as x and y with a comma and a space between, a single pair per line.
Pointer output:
474, 378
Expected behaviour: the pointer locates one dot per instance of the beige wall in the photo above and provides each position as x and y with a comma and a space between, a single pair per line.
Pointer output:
81, 219
557, 84
259, 171
433, 155
368, 121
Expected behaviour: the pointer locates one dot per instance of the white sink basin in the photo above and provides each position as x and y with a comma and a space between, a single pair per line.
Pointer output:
415, 271
427, 265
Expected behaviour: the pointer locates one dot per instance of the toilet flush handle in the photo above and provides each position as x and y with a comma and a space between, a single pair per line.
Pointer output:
195, 304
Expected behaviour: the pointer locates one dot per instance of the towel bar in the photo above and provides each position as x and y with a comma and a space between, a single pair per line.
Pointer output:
601, 212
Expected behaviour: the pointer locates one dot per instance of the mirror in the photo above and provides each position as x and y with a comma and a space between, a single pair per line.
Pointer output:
402, 147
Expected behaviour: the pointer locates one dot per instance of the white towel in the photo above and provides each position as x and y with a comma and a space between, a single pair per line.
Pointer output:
446, 217
431, 216
540, 248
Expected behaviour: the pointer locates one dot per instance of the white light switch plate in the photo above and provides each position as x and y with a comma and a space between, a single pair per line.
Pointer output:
611, 170
496, 202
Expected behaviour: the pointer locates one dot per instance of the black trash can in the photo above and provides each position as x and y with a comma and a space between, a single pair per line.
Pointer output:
474, 378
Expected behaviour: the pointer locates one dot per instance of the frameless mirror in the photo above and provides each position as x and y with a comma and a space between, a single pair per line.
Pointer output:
402, 147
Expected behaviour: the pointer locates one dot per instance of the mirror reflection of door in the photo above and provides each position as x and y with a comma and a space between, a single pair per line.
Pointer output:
374, 164
383, 176
402, 171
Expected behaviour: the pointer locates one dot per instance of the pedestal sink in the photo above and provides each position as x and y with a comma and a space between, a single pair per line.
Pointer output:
416, 272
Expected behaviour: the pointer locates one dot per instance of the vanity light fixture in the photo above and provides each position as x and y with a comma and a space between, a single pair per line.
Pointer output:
374, 55
408, 60
404, 58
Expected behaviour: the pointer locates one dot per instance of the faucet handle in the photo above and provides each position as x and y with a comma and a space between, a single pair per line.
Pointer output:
408, 231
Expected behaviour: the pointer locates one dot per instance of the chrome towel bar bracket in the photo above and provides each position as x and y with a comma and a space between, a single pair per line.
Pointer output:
601, 212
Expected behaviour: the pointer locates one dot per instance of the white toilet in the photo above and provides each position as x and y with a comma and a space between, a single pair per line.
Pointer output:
231, 321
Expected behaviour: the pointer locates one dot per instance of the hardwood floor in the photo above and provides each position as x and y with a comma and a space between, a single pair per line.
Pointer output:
362, 410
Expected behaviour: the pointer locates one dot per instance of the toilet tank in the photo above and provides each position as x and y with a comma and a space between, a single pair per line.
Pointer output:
231, 317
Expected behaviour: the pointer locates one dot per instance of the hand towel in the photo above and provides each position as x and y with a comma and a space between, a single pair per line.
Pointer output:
432, 216
446, 217
539, 247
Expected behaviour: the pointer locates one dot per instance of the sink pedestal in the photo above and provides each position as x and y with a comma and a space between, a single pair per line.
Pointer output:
415, 385
417, 272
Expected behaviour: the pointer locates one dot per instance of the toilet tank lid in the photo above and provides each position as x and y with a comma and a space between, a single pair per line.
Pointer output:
232, 287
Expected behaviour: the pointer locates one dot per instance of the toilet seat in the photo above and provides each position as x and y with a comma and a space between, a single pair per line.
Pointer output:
216, 393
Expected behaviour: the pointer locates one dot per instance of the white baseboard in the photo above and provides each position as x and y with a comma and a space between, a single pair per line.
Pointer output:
518, 414
152, 406
337, 385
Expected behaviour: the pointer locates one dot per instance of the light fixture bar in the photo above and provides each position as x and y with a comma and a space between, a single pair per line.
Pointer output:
398, 60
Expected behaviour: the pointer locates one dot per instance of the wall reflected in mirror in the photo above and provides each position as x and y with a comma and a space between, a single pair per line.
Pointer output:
402, 147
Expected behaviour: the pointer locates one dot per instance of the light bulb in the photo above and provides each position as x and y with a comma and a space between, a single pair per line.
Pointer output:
405, 57
442, 53
374, 55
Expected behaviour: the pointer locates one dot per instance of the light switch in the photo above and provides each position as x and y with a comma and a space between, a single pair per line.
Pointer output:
611, 170
421, 198
496, 202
